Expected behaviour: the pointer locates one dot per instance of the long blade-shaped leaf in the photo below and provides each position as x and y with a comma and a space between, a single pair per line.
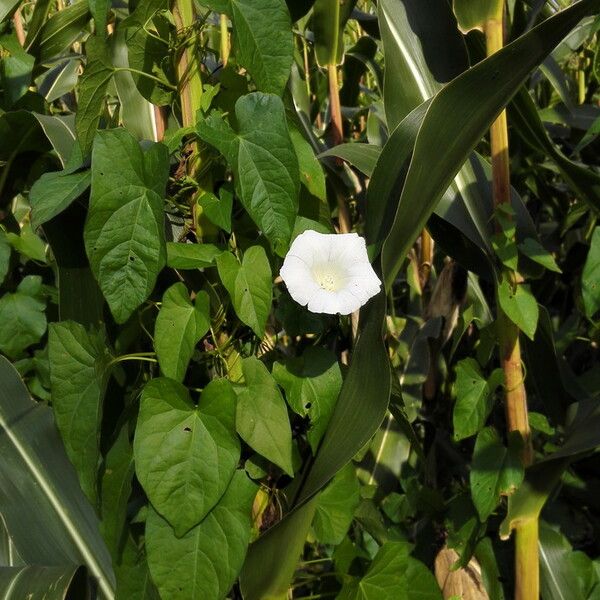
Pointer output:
359, 411
457, 119
48, 518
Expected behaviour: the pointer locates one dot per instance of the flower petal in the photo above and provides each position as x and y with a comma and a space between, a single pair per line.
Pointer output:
323, 302
311, 246
314, 258
298, 279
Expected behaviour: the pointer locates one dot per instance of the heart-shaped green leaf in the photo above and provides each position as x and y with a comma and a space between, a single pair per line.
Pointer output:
264, 162
520, 306
205, 562
495, 470
185, 455
249, 286
79, 370
124, 232
179, 327
262, 419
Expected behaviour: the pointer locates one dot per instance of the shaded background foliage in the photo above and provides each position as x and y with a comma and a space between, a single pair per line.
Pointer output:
157, 159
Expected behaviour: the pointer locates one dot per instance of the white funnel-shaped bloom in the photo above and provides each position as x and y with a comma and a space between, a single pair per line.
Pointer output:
329, 273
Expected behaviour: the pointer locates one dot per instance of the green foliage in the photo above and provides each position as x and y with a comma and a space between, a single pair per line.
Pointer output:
185, 455
264, 162
92, 89
496, 470
124, 236
473, 14
474, 398
54, 192
23, 317
116, 489
79, 363
393, 573
261, 419
205, 561
191, 256
229, 441
520, 306
46, 517
263, 41
248, 285
336, 506
217, 210
312, 384
590, 278
462, 96
180, 325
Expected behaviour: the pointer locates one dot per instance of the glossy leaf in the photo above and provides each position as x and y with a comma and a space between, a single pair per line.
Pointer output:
513, 63
249, 285
474, 14
474, 397
53, 192
393, 574
93, 85
262, 420
124, 234
60, 31
59, 80
558, 578
23, 320
359, 411
137, 114
180, 325
48, 519
264, 162
329, 19
424, 49
336, 506
495, 471
205, 562
263, 41
362, 156
51, 583
148, 52
590, 278
185, 456
536, 252
6, 8
79, 370
520, 306
28, 244
312, 384
191, 256
256, 584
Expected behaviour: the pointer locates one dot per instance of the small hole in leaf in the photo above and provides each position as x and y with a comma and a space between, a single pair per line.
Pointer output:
308, 405
186, 429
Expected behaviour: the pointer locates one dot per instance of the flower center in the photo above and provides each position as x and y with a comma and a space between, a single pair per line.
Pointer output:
328, 276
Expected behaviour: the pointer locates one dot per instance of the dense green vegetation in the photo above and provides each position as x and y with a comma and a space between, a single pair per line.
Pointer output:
175, 424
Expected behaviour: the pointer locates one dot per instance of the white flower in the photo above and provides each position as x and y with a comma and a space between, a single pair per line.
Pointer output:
329, 273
